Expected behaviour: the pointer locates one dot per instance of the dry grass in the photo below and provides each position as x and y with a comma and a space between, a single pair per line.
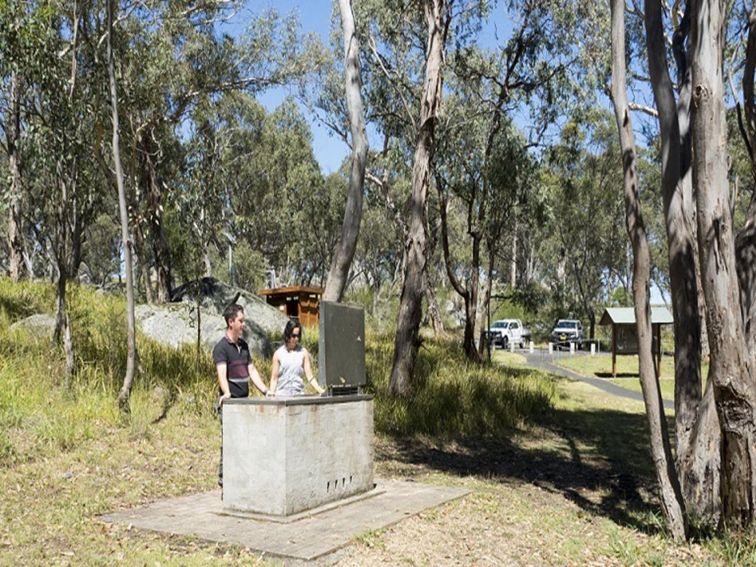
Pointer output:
563, 478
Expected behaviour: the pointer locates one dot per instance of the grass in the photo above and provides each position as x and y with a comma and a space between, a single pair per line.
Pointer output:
627, 371
559, 473
453, 397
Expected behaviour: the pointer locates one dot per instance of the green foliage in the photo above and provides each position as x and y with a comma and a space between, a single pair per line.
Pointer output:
250, 267
453, 397
103, 238
530, 297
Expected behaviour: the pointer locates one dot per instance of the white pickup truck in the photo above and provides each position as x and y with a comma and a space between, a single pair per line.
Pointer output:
505, 332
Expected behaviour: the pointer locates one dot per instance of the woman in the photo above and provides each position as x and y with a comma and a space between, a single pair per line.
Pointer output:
290, 362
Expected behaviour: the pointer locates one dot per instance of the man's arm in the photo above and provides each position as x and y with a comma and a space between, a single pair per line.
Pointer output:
308, 372
223, 380
256, 380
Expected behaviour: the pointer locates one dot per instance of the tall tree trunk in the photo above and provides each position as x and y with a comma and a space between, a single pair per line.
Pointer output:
697, 447
60, 254
125, 393
513, 262
350, 229
471, 303
139, 257
470, 293
729, 368
407, 341
745, 250
60, 296
745, 244
434, 312
484, 346
160, 249
671, 495
15, 240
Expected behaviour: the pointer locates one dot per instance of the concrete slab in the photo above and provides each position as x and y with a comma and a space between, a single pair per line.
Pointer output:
313, 534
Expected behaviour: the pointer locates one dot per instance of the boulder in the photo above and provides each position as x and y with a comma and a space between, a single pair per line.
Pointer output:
38, 324
215, 295
175, 324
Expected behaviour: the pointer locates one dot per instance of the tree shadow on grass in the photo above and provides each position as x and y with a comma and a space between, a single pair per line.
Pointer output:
598, 459
618, 375
15, 308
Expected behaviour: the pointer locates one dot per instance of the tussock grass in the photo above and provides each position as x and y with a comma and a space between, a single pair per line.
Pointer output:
67, 454
453, 397
40, 412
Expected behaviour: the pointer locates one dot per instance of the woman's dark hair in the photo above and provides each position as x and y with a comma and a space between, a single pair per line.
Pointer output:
291, 324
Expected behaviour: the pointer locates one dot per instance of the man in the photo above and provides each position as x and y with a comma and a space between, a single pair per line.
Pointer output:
233, 363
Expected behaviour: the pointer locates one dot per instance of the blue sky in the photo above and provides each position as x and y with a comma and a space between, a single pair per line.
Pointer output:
315, 17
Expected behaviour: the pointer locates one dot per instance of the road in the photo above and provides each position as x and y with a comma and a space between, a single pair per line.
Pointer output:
542, 360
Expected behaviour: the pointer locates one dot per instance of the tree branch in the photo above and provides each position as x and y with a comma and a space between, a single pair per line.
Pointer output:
643, 108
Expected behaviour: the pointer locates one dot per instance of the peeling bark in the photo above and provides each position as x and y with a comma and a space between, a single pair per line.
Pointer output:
729, 369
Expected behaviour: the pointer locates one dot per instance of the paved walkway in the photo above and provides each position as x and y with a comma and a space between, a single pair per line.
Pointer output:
304, 537
542, 360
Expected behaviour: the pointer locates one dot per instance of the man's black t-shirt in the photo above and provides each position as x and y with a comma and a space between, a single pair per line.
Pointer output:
237, 359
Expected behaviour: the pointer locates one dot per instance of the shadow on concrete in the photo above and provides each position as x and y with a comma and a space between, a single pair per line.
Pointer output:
598, 459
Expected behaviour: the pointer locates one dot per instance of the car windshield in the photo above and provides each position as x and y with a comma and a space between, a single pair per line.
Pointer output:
500, 325
567, 325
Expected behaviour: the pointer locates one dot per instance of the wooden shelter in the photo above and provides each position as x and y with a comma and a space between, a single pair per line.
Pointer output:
625, 336
297, 302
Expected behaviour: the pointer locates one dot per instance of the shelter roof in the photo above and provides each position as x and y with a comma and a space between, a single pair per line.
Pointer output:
626, 316
291, 289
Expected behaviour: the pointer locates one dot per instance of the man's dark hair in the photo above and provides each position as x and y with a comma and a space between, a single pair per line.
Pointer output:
291, 324
231, 311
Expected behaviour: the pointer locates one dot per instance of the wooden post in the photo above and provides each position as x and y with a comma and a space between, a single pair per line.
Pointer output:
655, 334
614, 350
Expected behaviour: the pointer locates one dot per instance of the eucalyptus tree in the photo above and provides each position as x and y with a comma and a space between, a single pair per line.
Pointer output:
344, 253
438, 16
492, 86
470, 176
163, 35
718, 423
671, 495
125, 393
252, 177
730, 371
585, 201
378, 258
184, 37
12, 127
293, 217
695, 419
62, 85
22, 35
14, 53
